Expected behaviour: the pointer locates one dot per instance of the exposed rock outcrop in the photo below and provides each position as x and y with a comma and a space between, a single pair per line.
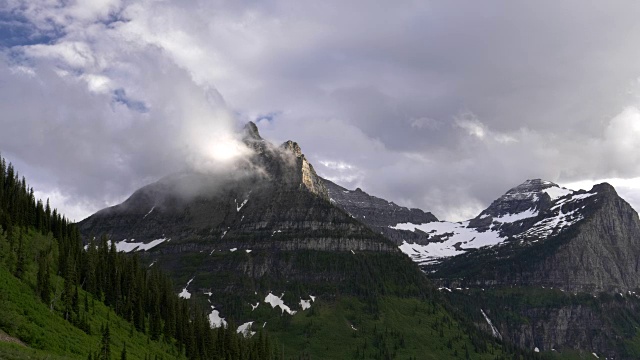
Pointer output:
379, 214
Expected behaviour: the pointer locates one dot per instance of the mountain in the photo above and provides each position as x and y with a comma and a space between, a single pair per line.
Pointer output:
263, 244
543, 267
539, 234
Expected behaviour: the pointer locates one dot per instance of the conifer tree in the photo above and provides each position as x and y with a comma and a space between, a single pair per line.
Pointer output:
20, 264
44, 278
123, 354
105, 344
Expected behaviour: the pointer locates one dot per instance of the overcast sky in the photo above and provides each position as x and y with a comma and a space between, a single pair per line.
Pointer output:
440, 105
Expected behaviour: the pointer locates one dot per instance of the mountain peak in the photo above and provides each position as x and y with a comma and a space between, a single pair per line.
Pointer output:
532, 186
604, 187
250, 131
533, 194
293, 147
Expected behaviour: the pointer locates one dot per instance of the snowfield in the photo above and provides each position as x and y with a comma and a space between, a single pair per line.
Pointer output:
451, 239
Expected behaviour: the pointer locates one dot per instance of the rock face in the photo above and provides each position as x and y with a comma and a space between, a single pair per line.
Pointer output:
309, 178
578, 327
379, 214
604, 254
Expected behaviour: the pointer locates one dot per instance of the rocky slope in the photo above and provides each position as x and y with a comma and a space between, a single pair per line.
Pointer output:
379, 214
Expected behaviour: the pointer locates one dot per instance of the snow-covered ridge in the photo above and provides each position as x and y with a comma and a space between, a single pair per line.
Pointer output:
458, 239
451, 239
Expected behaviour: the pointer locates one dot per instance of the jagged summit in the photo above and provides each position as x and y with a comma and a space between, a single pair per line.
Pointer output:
250, 131
292, 147
532, 186
532, 195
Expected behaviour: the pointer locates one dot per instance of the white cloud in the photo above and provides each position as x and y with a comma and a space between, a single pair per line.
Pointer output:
470, 123
438, 105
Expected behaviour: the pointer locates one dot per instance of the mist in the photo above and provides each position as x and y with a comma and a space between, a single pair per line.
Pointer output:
96, 132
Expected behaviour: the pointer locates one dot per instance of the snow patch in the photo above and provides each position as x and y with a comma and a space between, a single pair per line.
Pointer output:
305, 304
245, 329
457, 239
186, 294
248, 251
215, 320
253, 307
150, 211
509, 218
124, 246
556, 192
494, 331
238, 207
275, 301
233, 249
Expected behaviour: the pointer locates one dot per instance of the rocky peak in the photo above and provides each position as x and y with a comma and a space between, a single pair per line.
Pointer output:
250, 132
533, 194
292, 147
309, 178
528, 189
251, 137
604, 188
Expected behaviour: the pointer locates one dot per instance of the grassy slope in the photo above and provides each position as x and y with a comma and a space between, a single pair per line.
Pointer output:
24, 316
405, 328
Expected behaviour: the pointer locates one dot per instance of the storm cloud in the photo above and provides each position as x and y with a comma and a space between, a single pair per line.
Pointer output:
437, 105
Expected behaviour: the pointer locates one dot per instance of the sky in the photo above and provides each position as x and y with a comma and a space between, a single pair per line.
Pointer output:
441, 105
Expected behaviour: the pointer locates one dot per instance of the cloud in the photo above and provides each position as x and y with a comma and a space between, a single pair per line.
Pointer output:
439, 105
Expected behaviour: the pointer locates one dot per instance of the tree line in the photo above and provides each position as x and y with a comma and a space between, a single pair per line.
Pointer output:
143, 296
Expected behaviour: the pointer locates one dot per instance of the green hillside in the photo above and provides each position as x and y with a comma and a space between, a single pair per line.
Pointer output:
60, 301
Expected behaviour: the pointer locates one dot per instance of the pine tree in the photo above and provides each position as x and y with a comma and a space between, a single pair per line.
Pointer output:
67, 298
20, 264
105, 344
123, 354
44, 278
